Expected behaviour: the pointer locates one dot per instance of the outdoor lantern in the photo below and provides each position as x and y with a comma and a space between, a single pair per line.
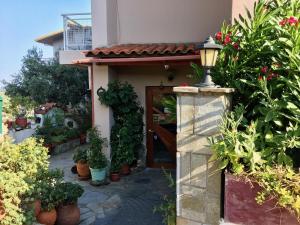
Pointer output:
209, 52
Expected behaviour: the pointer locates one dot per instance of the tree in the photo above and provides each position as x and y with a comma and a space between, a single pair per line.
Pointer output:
48, 81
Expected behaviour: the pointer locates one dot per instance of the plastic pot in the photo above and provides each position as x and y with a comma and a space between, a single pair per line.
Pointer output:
68, 215
98, 174
83, 170
47, 218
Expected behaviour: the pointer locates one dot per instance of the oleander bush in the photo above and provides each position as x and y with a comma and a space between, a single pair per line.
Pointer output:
261, 60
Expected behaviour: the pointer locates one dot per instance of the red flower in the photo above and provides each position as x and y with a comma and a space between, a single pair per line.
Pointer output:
272, 75
236, 46
218, 36
283, 22
292, 20
184, 84
227, 39
260, 78
264, 69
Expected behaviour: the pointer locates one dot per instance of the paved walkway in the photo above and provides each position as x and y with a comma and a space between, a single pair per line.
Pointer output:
128, 202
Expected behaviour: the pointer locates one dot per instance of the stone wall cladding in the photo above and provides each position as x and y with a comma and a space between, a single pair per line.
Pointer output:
199, 113
61, 148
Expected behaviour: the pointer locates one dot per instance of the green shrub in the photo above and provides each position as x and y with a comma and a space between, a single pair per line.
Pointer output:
19, 166
80, 154
264, 69
46, 188
68, 193
127, 133
96, 158
261, 60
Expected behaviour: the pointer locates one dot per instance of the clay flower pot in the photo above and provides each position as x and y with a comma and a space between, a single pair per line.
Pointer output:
22, 122
47, 218
115, 176
68, 215
82, 138
37, 207
125, 169
83, 170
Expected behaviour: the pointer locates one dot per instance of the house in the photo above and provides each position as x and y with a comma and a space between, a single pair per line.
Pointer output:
149, 44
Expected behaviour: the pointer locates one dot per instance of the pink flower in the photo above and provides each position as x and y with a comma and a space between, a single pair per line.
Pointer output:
260, 78
218, 36
227, 39
292, 20
283, 22
184, 84
264, 69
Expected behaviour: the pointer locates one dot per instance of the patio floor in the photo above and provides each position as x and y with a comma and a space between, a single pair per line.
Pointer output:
128, 202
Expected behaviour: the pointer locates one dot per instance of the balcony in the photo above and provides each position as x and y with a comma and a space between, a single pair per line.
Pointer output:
77, 31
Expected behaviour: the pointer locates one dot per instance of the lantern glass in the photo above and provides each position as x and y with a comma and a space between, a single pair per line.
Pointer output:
208, 57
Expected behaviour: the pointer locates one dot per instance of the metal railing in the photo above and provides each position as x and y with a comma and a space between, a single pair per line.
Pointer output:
77, 31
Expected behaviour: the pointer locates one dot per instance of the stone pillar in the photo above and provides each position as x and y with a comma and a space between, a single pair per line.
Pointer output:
199, 113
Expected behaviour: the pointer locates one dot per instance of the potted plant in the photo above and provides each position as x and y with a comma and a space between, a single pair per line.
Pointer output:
115, 171
96, 159
21, 120
46, 191
68, 212
48, 213
80, 158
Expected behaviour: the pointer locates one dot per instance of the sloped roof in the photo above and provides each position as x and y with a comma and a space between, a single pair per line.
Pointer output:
143, 50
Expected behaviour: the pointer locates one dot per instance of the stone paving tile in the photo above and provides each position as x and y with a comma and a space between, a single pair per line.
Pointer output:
128, 202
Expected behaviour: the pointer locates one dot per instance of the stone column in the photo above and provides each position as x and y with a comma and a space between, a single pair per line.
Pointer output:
199, 113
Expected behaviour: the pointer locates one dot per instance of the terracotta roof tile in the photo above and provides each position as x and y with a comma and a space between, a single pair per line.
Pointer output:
143, 50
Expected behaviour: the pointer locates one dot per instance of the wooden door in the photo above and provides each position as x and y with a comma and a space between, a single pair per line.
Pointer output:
161, 132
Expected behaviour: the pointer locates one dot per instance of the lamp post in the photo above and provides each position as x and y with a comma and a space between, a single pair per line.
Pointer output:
209, 52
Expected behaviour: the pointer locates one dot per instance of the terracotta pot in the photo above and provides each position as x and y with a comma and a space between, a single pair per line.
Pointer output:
68, 215
82, 138
47, 218
9, 124
49, 146
22, 122
37, 207
125, 169
83, 169
115, 177
2, 212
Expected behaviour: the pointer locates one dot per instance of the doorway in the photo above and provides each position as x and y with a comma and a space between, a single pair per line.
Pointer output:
161, 130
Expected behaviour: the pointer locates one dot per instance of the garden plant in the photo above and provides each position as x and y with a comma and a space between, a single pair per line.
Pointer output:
127, 132
95, 157
260, 139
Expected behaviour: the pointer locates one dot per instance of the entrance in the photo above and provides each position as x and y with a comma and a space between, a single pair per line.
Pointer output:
161, 130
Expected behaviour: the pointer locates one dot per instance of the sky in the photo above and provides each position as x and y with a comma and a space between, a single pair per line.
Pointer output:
22, 21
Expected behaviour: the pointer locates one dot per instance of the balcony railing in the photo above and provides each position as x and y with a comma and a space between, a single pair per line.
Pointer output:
77, 31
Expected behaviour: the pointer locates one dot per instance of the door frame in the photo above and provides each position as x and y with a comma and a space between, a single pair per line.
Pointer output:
150, 90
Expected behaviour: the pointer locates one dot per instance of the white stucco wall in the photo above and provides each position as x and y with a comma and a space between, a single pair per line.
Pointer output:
239, 7
156, 21
162, 21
